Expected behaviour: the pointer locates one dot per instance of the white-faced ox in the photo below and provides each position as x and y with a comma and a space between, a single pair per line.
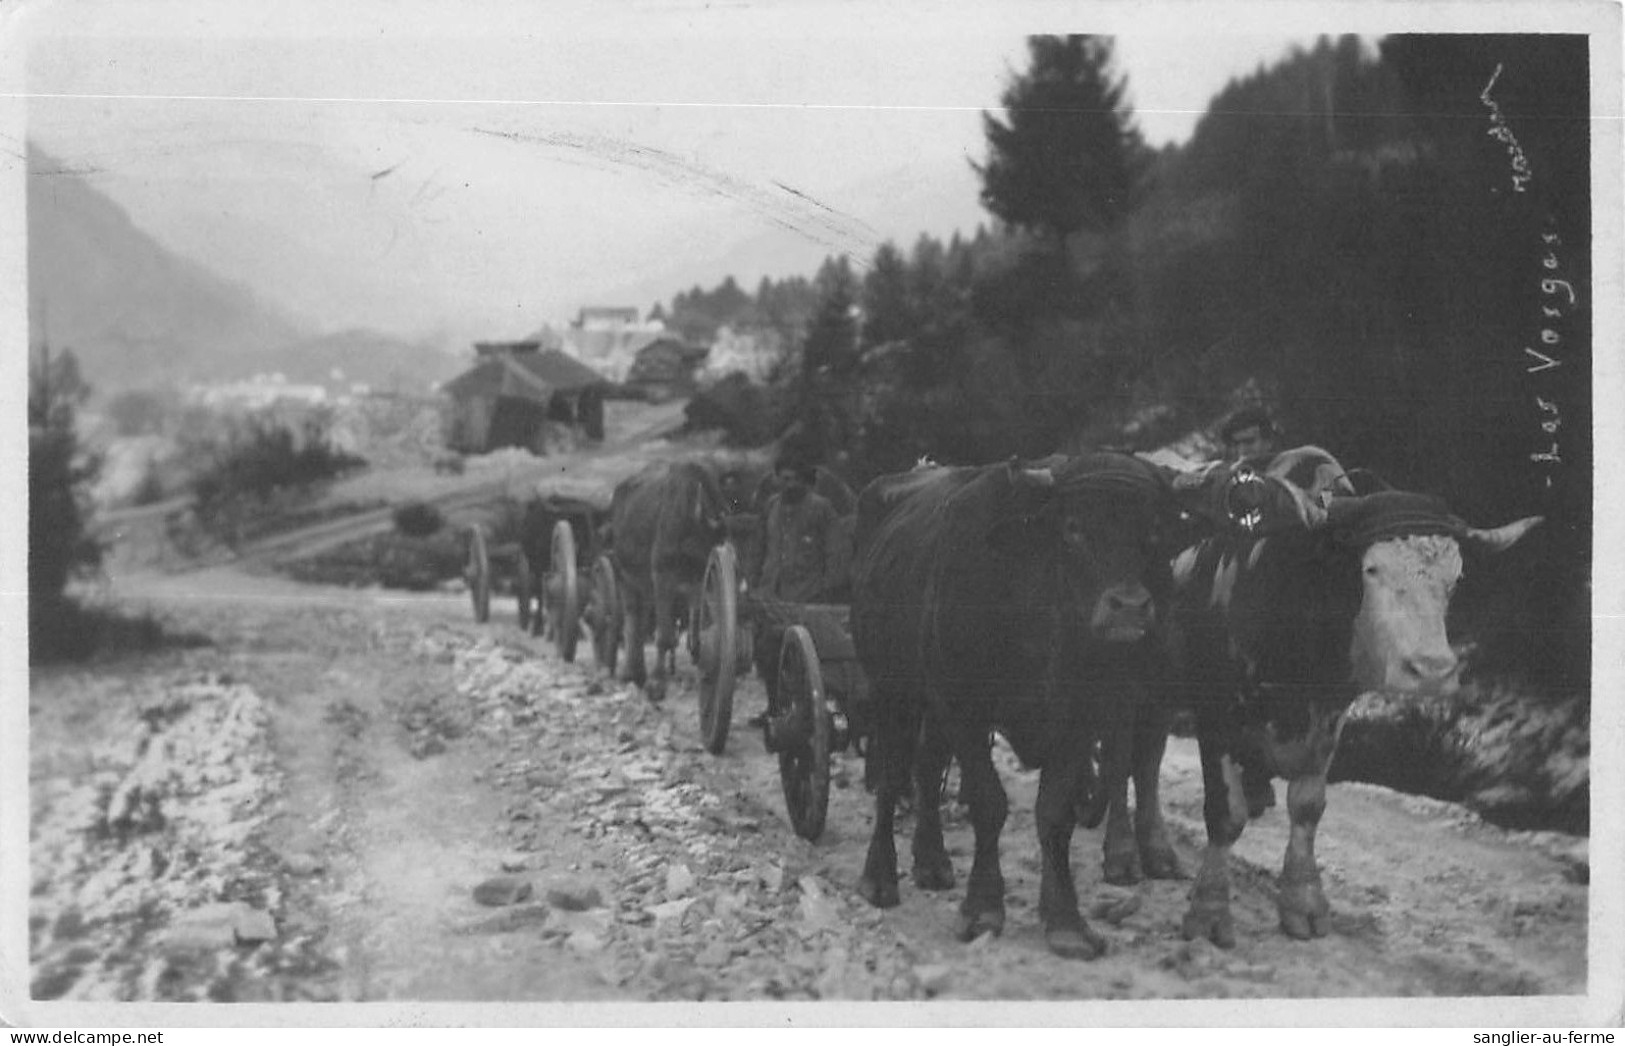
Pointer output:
985, 599
1306, 599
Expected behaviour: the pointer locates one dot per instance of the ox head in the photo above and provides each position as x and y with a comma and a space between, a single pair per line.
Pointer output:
1410, 551
1101, 516
1406, 552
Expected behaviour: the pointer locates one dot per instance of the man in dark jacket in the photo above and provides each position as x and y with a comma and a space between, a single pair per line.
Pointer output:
798, 529
795, 565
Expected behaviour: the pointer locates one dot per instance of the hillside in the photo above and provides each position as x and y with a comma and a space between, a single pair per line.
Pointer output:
134, 312
368, 357
137, 314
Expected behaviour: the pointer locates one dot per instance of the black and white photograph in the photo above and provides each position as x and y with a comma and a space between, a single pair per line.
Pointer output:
824, 513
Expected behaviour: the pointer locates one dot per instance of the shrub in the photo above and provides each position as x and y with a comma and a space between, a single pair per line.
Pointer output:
748, 414
59, 474
259, 463
418, 519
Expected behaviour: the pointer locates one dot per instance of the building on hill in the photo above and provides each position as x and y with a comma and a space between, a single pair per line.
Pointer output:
606, 317
519, 394
666, 368
606, 349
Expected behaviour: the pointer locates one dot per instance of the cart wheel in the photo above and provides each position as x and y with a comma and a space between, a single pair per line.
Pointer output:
606, 616
716, 625
564, 583
522, 586
693, 637
804, 765
478, 574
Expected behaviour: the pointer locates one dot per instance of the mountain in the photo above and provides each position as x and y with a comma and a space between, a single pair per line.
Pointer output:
134, 312
140, 315
381, 361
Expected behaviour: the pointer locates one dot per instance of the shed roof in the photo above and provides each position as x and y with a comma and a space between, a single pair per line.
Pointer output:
528, 375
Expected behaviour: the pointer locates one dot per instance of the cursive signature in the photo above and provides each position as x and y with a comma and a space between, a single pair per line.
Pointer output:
1502, 132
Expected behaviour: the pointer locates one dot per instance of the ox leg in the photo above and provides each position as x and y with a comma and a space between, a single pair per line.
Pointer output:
932, 868
632, 615
1224, 807
1121, 863
665, 634
1302, 903
1157, 857
895, 734
983, 907
1065, 930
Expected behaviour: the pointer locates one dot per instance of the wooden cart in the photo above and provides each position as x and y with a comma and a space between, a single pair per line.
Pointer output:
550, 548
819, 704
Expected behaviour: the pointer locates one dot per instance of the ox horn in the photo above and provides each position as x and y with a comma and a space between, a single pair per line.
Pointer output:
1499, 539
1034, 477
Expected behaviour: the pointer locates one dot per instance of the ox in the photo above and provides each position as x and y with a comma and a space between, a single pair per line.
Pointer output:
1310, 596
665, 521
988, 598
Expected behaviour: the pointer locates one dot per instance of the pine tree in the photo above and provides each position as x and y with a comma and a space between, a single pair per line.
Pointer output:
59, 471
888, 315
1067, 157
831, 345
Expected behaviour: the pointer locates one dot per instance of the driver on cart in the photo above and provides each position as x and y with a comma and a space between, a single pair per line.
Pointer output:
795, 560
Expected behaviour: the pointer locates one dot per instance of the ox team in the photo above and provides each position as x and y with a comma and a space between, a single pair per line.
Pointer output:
1073, 604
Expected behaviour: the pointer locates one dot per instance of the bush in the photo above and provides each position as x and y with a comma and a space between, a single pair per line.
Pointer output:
748, 414
392, 560
59, 474
64, 631
256, 465
418, 519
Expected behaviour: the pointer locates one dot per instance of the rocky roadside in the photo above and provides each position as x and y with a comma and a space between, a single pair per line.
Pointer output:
149, 876
705, 895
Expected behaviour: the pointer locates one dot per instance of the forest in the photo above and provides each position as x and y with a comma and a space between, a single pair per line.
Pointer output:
1389, 250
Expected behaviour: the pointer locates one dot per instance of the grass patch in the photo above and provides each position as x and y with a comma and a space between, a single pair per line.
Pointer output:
64, 631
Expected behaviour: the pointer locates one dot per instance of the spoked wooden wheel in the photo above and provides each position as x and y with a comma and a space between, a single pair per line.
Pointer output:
716, 628
564, 586
522, 589
693, 637
804, 760
606, 614
478, 574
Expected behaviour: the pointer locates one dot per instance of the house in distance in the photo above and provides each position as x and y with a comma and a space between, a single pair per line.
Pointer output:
666, 368
518, 394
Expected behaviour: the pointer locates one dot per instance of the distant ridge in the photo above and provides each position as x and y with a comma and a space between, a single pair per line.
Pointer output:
139, 315
134, 312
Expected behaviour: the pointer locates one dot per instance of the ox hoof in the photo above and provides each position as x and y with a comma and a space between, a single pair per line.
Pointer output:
1121, 868
1075, 941
972, 925
935, 873
1305, 913
1212, 921
1162, 863
882, 893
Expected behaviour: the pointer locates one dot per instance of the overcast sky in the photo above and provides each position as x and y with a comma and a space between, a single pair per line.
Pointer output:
478, 169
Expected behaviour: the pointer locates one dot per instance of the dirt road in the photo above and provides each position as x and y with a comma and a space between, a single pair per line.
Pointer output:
366, 769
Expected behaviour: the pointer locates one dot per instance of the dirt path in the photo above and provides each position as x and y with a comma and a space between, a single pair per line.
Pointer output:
394, 760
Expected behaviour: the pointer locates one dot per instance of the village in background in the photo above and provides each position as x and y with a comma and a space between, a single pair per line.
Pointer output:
538, 395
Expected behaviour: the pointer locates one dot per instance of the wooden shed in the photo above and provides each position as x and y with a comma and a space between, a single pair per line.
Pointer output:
518, 394
666, 367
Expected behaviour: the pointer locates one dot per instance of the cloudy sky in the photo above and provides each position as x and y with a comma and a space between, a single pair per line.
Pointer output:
477, 169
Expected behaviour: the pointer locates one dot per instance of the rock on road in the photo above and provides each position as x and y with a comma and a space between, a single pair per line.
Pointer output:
364, 796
